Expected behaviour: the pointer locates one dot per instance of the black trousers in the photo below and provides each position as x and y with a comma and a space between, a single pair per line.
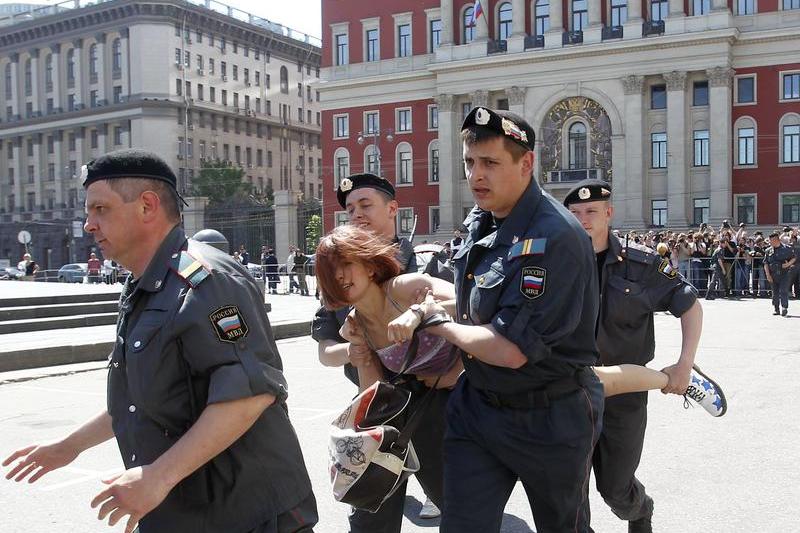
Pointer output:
617, 454
780, 290
427, 441
487, 449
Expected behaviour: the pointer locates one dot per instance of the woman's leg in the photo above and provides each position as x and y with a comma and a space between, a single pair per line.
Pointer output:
621, 379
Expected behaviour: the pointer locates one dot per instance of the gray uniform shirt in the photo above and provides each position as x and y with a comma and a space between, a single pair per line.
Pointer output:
193, 333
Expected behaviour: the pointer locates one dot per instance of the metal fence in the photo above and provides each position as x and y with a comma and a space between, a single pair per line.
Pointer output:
738, 277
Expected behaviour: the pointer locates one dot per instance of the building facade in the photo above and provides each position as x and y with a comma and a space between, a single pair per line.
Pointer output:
185, 81
690, 108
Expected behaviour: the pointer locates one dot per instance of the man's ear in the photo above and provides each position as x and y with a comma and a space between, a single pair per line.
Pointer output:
393, 207
150, 204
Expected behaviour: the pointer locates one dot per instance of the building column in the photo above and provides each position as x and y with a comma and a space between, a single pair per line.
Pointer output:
632, 29
449, 174
516, 41
101, 66
719, 81
78, 44
15, 84
677, 189
516, 100
285, 222
676, 9
553, 37
102, 136
676, 21
719, 5
124, 35
631, 180
126, 135
56, 75
480, 98
36, 161
594, 32
18, 177
35, 100
61, 170
80, 157
448, 28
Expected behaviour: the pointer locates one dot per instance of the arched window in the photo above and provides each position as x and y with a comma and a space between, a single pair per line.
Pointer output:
790, 138
341, 165
28, 78
116, 54
48, 71
746, 142
8, 81
71, 64
284, 80
577, 146
504, 21
93, 60
404, 162
468, 31
542, 22
433, 162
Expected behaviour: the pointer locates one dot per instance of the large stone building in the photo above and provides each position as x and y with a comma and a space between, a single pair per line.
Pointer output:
691, 108
193, 81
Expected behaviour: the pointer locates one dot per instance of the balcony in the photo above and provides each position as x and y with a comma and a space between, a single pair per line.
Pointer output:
572, 37
612, 32
534, 41
652, 27
564, 176
496, 46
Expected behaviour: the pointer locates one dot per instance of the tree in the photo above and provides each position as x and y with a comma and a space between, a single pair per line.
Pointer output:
313, 232
221, 182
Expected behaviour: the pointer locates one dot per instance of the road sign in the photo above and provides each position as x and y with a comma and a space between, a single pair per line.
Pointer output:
77, 229
24, 237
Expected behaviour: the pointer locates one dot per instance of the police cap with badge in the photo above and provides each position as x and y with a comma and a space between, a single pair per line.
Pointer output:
362, 181
504, 123
129, 163
591, 190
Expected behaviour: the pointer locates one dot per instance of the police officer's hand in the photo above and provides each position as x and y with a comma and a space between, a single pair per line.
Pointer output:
39, 459
135, 493
402, 328
678, 379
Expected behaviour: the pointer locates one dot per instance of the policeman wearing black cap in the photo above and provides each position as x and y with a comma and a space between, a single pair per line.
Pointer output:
778, 268
196, 392
527, 407
633, 283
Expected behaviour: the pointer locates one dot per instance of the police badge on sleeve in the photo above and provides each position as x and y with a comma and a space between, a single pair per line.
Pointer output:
533, 282
229, 324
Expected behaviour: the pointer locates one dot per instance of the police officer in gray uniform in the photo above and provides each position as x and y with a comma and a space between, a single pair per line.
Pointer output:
778, 269
196, 392
527, 408
633, 283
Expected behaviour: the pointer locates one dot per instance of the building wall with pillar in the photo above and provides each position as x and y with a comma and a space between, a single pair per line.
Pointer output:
648, 103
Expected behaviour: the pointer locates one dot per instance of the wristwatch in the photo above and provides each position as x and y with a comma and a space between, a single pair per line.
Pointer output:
417, 310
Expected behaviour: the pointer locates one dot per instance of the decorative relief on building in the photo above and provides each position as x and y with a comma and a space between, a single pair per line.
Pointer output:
553, 143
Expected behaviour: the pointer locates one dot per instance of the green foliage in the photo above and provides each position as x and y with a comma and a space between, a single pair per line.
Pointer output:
313, 232
221, 182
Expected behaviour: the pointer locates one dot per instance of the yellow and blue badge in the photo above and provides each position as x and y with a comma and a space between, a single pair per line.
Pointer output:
229, 325
190, 269
667, 269
527, 247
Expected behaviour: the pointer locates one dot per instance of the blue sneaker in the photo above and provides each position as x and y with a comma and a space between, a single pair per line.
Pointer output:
705, 391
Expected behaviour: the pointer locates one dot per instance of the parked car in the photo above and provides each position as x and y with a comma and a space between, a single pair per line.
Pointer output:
255, 270
11, 273
73, 273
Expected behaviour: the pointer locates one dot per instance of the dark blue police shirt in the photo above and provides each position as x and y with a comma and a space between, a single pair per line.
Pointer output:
553, 327
776, 257
169, 363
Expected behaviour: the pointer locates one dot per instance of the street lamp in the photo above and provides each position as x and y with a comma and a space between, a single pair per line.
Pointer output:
376, 134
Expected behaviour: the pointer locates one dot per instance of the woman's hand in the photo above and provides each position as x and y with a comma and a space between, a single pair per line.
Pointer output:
430, 305
358, 352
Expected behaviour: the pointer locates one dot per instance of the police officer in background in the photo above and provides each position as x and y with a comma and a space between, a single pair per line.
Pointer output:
527, 408
634, 282
196, 392
778, 268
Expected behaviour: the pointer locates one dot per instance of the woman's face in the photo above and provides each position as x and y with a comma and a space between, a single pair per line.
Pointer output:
354, 278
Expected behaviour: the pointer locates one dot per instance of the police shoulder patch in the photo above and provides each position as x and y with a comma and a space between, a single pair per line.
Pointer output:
527, 247
189, 268
666, 268
229, 324
533, 281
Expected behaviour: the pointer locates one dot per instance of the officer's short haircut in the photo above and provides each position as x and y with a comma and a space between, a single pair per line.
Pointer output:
351, 244
775, 235
474, 135
131, 188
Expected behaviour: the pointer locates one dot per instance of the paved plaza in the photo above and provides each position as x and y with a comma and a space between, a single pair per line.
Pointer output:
734, 474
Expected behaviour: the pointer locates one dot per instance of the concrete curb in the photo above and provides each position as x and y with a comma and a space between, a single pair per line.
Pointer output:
82, 353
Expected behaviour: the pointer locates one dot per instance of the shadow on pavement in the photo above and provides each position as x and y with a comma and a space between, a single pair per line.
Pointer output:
511, 523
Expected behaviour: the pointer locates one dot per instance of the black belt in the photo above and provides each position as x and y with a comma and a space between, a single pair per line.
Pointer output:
538, 398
